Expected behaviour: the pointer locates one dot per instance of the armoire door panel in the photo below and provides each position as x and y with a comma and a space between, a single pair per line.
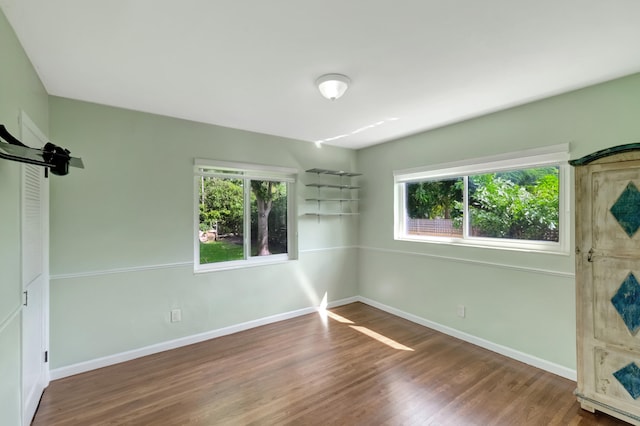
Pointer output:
616, 201
616, 303
615, 378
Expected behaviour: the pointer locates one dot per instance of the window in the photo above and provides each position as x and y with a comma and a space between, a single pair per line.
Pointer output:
516, 201
244, 215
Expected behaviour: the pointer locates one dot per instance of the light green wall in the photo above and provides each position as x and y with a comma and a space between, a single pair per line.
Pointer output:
528, 311
20, 89
132, 207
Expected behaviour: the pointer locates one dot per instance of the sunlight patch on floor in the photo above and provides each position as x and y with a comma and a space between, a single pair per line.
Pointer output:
380, 338
339, 318
326, 314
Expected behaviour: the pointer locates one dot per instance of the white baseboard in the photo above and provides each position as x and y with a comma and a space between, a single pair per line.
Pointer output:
82, 367
93, 364
551, 367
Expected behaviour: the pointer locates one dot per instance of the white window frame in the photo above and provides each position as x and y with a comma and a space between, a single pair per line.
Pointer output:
245, 171
556, 155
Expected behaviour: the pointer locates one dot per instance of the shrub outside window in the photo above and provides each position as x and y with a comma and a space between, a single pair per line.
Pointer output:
516, 201
243, 215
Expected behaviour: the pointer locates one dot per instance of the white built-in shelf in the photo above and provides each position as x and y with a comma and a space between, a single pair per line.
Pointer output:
333, 172
327, 185
336, 187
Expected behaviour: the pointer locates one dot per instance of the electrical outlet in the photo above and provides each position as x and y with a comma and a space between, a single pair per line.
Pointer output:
461, 311
176, 315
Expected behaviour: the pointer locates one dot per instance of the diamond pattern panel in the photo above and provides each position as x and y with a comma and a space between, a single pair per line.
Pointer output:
629, 378
627, 303
626, 209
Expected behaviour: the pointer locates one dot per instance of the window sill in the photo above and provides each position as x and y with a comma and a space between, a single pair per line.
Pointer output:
242, 264
509, 245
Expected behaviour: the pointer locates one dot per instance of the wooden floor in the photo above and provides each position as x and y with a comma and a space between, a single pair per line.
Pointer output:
348, 369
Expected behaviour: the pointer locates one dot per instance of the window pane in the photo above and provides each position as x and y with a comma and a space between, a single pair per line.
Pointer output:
435, 207
520, 204
221, 220
268, 218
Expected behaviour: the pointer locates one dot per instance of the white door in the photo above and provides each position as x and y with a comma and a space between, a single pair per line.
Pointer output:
35, 275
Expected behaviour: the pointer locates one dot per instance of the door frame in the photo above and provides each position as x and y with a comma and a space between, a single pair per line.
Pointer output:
35, 135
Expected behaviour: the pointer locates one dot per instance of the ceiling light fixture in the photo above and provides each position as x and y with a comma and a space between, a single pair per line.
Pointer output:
332, 86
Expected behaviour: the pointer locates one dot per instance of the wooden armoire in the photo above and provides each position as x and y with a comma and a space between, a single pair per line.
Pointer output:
608, 281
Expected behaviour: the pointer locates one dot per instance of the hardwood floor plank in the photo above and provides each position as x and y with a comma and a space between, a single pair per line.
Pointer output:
319, 370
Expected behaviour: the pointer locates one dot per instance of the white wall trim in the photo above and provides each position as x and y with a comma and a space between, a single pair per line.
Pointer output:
93, 364
476, 262
26, 121
166, 266
121, 270
318, 250
8, 320
494, 347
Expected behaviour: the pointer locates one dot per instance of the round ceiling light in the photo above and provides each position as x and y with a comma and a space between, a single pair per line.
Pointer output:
333, 86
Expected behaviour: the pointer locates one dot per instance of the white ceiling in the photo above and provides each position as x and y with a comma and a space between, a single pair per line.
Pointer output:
414, 64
